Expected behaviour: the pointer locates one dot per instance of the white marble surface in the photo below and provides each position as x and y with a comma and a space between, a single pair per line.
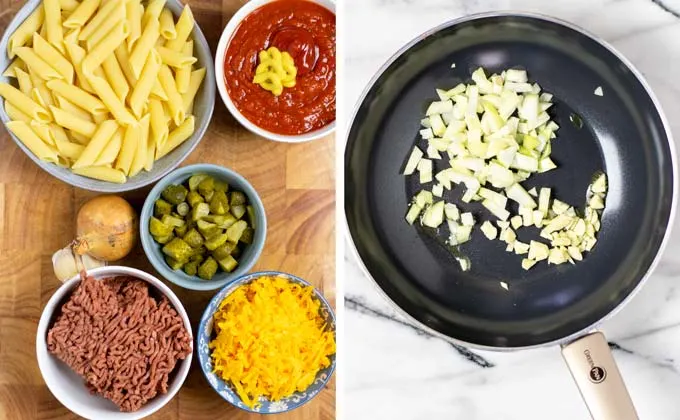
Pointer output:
395, 371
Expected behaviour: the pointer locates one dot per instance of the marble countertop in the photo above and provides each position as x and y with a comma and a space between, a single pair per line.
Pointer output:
396, 371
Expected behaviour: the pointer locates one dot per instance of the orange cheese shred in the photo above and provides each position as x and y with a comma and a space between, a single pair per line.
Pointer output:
271, 340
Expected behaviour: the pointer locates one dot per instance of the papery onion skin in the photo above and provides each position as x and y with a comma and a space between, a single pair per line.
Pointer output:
107, 228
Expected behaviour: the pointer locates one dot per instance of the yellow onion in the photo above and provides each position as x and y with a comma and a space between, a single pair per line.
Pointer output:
107, 228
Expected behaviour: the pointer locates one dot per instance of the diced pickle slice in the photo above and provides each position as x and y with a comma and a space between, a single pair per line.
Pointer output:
238, 211
200, 211
216, 241
181, 230
173, 263
236, 230
218, 203
221, 186
191, 268
237, 198
172, 221
206, 186
251, 216
193, 238
158, 228
228, 264
247, 236
207, 269
174, 194
193, 198
162, 207
164, 239
195, 180
178, 249
224, 251
183, 209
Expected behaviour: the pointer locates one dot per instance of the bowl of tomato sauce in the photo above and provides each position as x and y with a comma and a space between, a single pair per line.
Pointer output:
305, 31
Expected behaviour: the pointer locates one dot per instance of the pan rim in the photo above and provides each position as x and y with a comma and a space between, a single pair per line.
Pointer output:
664, 122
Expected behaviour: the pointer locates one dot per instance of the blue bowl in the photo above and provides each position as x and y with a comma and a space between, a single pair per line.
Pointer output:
251, 253
204, 336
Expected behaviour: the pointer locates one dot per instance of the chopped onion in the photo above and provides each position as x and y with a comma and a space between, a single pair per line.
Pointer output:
413, 160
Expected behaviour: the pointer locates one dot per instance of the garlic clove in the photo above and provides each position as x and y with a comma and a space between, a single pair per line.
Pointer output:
90, 262
64, 264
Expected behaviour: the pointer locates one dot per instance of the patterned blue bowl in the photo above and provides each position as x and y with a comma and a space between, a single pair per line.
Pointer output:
204, 335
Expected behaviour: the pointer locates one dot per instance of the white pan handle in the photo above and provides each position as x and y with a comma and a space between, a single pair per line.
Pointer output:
598, 379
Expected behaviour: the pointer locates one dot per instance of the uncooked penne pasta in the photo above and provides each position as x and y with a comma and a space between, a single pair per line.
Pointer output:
133, 14
43, 132
25, 84
195, 81
175, 58
102, 173
72, 122
68, 106
37, 64
40, 93
15, 114
139, 159
159, 127
58, 133
98, 19
178, 136
116, 77
55, 32
111, 41
77, 54
79, 138
127, 151
167, 25
174, 99
143, 45
183, 74
71, 37
147, 78
53, 57
109, 98
185, 24
24, 103
69, 5
153, 11
81, 14
31, 140
99, 140
24, 33
111, 150
70, 150
17, 63
78, 96
116, 16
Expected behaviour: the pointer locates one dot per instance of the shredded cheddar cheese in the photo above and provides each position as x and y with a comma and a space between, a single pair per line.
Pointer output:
270, 339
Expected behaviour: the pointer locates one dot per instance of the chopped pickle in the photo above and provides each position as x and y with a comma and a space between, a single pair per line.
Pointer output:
207, 269
218, 203
200, 211
181, 230
238, 211
174, 194
204, 225
172, 221
183, 209
194, 198
236, 253
216, 241
247, 236
158, 228
193, 238
199, 257
224, 251
191, 268
162, 207
221, 186
237, 198
178, 249
228, 263
251, 216
222, 221
173, 263
164, 239
208, 195
195, 180
236, 230
206, 186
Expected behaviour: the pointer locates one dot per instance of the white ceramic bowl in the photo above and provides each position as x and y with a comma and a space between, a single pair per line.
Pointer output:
225, 39
69, 388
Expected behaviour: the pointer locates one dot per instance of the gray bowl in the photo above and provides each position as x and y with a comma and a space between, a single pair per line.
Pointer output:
203, 109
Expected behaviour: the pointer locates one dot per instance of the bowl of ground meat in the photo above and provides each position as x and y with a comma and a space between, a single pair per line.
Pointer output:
115, 343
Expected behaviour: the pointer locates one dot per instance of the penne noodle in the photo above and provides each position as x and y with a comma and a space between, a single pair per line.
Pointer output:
153, 11
99, 118
98, 141
72, 122
115, 76
47, 52
116, 16
40, 93
159, 127
143, 46
81, 14
39, 97
102, 173
97, 20
68, 5
58, 133
167, 25
24, 33
174, 58
71, 38
71, 108
98, 54
139, 159
17, 63
78, 96
24, 103
174, 99
183, 74
77, 54
37, 64
195, 81
127, 151
185, 24
31, 140
15, 113
79, 138
43, 132
111, 150
55, 32
150, 154
109, 98
25, 84
158, 92
69, 150
148, 77
178, 136
123, 58
133, 13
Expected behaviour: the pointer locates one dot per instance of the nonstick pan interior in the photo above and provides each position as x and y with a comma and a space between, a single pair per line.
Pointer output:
623, 134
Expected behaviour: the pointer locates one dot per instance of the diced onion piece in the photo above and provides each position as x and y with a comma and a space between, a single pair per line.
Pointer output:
442, 94
508, 236
527, 263
425, 122
509, 248
423, 198
596, 202
516, 222
517, 193
533, 192
492, 195
489, 230
558, 223
517, 76
438, 190
413, 213
432, 152
426, 133
463, 262
499, 176
504, 285
425, 169
524, 163
559, 207
467, 219
600, 184
439, 107
518, 87
558, 256
575, 253
520, 248
544, 201
498, 211
598, 91
413, 160
538, 251
502, 224
451, 212
538, 218
437, 125
463, 234
434, 215
545, 165
453, 66
529, 109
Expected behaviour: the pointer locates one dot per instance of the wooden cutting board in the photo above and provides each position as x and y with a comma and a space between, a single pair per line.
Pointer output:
38, 213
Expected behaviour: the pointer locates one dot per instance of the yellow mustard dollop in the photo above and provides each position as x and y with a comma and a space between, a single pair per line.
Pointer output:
275, 71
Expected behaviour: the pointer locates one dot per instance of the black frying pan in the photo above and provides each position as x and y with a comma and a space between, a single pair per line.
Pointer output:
624, 133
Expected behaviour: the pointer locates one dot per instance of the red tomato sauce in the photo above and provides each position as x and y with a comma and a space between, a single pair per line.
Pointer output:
306, 31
